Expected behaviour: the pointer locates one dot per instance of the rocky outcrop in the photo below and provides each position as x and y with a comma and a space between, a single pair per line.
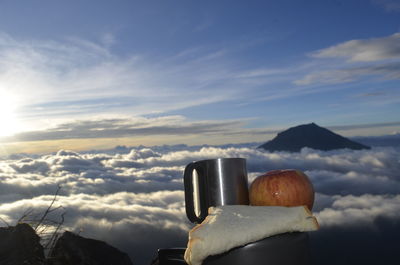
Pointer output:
20, 245
72, 249
312, 136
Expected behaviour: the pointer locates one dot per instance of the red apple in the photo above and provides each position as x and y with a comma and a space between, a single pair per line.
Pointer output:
282, 188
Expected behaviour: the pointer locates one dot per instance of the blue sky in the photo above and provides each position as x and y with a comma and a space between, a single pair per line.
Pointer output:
162, 72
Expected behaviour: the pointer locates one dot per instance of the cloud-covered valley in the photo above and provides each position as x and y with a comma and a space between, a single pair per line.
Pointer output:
133, 197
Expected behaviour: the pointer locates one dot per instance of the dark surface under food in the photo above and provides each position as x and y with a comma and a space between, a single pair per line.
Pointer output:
283, 249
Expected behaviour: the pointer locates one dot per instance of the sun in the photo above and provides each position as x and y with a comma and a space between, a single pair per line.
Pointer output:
9, 123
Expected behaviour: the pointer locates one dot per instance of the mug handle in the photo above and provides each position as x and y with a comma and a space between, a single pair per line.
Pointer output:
189, 189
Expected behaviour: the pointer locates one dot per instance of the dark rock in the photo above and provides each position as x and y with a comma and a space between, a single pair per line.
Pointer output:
312, 136
72, 249
20, 245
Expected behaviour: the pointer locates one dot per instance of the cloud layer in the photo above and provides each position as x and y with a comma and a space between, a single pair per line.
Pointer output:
133, 197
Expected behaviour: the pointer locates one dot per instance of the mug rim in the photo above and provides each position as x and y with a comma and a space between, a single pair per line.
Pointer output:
220, 158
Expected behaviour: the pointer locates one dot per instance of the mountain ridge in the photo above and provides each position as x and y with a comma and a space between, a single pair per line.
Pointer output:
312, 136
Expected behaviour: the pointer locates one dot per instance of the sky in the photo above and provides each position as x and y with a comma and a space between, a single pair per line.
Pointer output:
110, 100
94, 74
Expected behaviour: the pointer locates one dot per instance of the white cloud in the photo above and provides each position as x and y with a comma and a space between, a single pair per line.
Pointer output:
364, 50
129, 126
79, 77
86, 80
327, 77
355, 60
108, 39
386, 71
359, 210
388, 5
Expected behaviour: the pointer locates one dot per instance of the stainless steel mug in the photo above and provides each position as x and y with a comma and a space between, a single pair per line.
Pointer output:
214, 182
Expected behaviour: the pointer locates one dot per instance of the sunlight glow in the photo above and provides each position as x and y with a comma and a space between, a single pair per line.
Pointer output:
9, 123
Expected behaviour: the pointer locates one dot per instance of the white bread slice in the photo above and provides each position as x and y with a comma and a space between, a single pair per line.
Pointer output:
230, 226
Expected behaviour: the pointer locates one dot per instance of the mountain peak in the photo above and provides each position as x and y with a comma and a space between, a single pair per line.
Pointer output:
310, 135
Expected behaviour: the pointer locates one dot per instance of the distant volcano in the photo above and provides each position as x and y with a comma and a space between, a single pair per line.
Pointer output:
312, 136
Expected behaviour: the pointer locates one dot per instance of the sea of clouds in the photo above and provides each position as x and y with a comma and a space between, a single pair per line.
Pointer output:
133, 198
